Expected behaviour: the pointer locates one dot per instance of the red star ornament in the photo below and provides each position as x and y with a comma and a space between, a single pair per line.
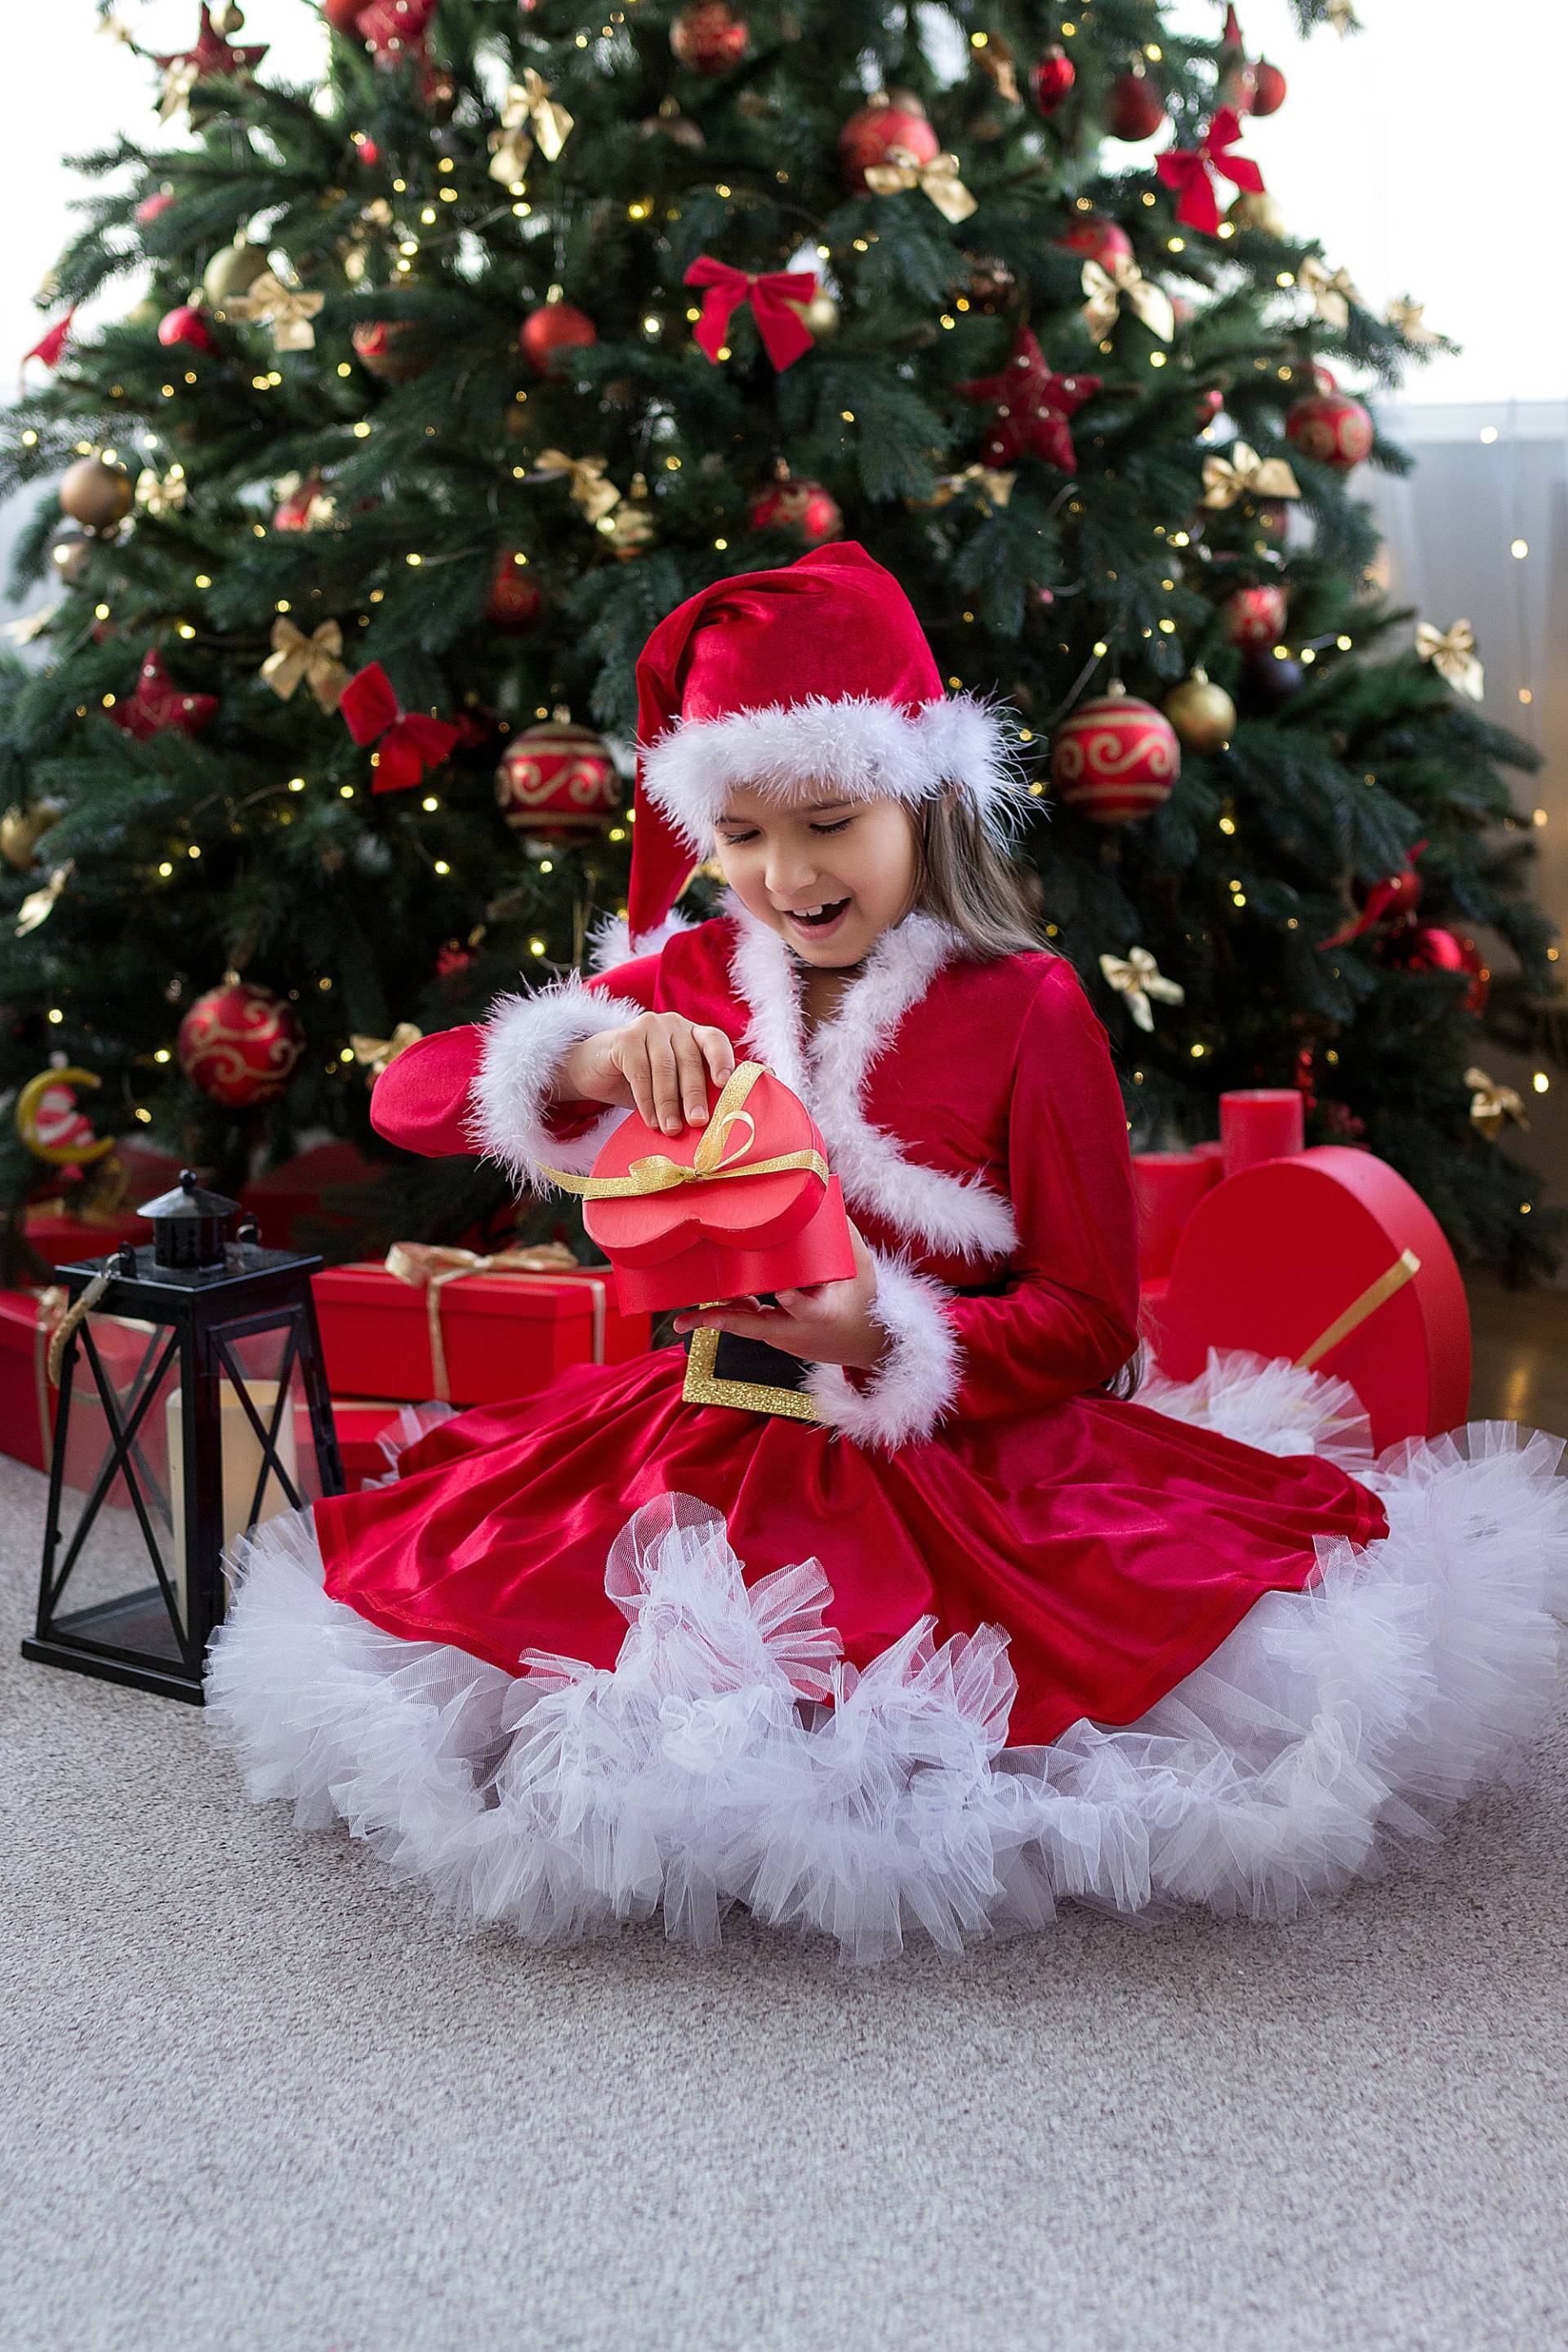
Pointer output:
213, 55
158, 704
1031, 407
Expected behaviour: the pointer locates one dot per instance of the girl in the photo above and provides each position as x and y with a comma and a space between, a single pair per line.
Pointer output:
940, 1623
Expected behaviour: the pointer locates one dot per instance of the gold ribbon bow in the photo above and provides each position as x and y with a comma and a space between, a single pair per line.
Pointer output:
1452, 654
712, 1162
161, 495
938, 179
182, 75
991, 489
530, 115
1410, 319
1332, 292
373, 1053
1137, 977
312, 658
286, 309
39, 905
1245, 475
1106, 290
589, 489
431, 1265
1491, 1104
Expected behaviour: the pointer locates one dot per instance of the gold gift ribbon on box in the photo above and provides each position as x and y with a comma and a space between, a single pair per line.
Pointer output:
431, 1265
712, 1162
1393, 1278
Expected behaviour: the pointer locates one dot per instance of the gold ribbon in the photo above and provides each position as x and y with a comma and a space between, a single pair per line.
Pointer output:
1332, 292
991, 489
1245, 475
313, 659
52, 1303
1409, 319
1491, 1104
938, 179
589, 489
39, 905
713, 1161
1452, 654
374, 1052
431, 1265
528, 109
1124, 282
182, 75
286, 309
160, 497
1394, 1278
1137, 977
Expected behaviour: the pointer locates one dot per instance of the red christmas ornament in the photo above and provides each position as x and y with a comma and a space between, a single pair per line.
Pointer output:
874, 130
151, 206
1269, 88
1210, 400
240, 1044
158, 703
306, 507
1052, 78
213, 55
391, 349
1329, 427
186, 325
1031, 407
554, 328
1255, 616
707, 40
514, 603
1100, 239
1115, 758
396, 29
1392, 900
1191, 170
557, 782
1429, 948
1137, 108
410, 743
344, 15
805, 507
367, 151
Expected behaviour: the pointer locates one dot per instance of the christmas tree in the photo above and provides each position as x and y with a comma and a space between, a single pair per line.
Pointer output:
462, 367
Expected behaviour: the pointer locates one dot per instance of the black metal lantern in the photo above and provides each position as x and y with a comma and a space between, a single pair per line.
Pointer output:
193, 1404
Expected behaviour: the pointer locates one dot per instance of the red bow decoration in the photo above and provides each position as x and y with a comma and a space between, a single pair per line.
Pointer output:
52, 341
1032, 407
410, 742
158, 703
1192, 169
771, 294
1398, 895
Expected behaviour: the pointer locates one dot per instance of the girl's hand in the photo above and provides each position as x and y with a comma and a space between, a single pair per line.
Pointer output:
658, 1066
825, 1323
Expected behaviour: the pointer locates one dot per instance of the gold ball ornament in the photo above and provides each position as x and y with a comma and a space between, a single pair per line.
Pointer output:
1202, 713
96, 494
22, 829
1256, 210
70, 552
820, 316
233, 269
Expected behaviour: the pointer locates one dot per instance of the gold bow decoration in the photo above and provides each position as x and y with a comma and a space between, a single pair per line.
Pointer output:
1332, 292
356, 250
29, 625
1491, 1104
1107, 289
712, 1162
373, 1053
318, 509
1452, 654
286, 309
179, 80
313, 660
39, 905
1409, 319
588, 487
1245, 475
530, 117
631, 528
1137, 977
160, 495
938, 180
996, 61
431, 1265
991, 489
1343, 19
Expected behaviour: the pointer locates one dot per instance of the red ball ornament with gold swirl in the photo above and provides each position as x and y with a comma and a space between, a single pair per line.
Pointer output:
1115, 758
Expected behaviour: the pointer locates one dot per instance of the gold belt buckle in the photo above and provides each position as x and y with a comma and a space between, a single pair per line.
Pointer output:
706, 1384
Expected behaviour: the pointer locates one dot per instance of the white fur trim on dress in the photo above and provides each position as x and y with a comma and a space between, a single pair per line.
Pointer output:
868, 748
523, 1043
918, 1379
610, 941
703, 1769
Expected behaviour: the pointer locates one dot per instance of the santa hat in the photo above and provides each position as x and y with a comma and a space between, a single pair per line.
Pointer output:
783, 681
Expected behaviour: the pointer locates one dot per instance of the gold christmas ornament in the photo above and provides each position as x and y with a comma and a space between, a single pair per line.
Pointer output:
160, 495
373, 1053
361, 243
1138, 978
938, 180
1452, 654
22, 829
590, 490
313, 660
1491, 1104
1409, 319
530, 117
1202, 713
286, 309
1256, 210
1245, 475
632, 526
39, 905
990, 488
1124, 282
70, 552
995, 60
232, 270
820, 316
1332, 292
96, 494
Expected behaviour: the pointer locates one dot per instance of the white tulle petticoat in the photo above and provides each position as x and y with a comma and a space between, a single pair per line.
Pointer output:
731, 1756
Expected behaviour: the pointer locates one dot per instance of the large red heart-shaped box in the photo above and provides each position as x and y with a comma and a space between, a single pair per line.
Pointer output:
727, 1236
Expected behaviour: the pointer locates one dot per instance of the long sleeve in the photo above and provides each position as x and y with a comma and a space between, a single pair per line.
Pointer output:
489, 1086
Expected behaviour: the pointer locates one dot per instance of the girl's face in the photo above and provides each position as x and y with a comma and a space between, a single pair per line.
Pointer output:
829, 874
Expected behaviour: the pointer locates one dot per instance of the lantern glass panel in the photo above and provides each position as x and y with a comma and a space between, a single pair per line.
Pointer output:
118, 1579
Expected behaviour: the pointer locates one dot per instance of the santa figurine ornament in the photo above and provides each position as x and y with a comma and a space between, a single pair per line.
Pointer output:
948, 1626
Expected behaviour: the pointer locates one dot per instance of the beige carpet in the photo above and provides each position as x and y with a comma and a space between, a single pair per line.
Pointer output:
254, 2098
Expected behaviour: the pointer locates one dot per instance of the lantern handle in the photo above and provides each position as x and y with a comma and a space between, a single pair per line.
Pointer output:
79, 1310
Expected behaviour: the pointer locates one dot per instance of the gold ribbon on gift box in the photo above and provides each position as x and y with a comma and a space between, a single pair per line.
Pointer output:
431, 1265
712, 1162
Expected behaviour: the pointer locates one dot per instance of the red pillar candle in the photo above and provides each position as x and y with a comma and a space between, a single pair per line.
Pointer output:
1169, 1186
1259, 1123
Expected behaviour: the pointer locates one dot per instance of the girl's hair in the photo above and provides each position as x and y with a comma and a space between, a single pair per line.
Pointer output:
963, 877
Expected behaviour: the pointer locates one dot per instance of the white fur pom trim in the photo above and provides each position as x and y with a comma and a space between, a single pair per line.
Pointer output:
611, 941
524, 1042
871, 749
918, 1379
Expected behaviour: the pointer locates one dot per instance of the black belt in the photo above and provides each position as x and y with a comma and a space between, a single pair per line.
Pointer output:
752, 1376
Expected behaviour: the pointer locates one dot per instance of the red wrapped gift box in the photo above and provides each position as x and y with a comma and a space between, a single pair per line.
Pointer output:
464, 1329
295, 1190
61, 1239
29, 1403
746, 1203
